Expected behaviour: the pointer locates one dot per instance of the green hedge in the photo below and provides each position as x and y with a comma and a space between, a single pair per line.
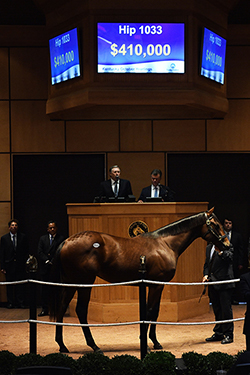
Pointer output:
208, 365
155, 363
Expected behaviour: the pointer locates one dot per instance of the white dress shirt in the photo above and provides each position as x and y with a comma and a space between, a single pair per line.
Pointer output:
153, 188
114, 183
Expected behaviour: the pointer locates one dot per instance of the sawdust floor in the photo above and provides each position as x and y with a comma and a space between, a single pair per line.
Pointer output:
117, 340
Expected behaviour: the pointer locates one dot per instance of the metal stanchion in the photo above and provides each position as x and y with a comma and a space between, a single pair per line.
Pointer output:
143, 308
31, 269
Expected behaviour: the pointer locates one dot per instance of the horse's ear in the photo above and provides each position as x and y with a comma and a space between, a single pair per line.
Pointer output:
210, 211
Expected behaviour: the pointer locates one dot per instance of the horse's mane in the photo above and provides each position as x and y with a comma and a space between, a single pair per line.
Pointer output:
180, 226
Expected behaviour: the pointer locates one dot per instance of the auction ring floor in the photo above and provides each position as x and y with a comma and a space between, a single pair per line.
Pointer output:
117, 340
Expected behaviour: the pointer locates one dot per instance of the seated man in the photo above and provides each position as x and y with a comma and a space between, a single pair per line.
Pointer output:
115, 187
156, 189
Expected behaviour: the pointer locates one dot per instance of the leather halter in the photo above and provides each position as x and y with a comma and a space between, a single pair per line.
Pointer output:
211, 230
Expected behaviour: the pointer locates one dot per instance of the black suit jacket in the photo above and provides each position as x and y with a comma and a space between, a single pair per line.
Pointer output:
165, 192
46, 251
107, 191
221, 267
9, 255
245, 291
238, 259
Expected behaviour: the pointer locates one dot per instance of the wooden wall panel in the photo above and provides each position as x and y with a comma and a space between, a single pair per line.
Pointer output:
238, 72
4, 127
5, 217
232, 133
5, 177
179, 135
4, 77
137, 167
95, 136
32, 131
29, 73
136, 135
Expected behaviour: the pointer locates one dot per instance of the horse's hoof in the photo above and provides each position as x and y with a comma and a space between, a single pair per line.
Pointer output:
157, 346
148, 350
63, 349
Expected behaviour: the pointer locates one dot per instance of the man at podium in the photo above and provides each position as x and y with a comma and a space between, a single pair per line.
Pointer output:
156, 192
116, 188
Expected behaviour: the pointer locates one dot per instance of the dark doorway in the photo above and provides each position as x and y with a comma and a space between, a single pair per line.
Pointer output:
222, 180
43, 184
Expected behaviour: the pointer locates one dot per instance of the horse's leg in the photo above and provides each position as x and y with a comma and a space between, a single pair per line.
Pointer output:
82, 312
153, 308
68, 294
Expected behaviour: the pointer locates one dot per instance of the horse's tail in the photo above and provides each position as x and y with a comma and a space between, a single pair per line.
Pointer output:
55, 292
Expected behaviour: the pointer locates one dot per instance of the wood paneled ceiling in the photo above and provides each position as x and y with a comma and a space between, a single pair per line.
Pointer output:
33, 12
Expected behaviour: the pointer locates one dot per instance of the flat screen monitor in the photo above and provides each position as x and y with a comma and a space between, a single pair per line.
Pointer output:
213, 56
154, 199
64, 57
141, 47
116, 200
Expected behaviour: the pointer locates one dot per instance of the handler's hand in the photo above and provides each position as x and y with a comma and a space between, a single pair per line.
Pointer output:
205, 278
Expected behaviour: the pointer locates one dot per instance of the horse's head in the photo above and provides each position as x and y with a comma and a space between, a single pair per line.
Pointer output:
213, 231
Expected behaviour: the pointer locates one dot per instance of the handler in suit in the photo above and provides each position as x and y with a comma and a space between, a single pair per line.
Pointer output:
156, 189
46, 250
14, 254
218, 267
245, 291
238, 259
115, 186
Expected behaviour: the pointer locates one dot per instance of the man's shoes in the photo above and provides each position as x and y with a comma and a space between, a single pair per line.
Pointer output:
215, 337
10, 306
227, 340
43, 313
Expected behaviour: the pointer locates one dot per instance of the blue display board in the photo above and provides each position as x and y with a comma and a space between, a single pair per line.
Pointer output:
64, 57
213, 56
141, 47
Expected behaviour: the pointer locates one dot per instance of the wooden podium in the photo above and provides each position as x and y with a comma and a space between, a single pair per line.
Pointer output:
120, 303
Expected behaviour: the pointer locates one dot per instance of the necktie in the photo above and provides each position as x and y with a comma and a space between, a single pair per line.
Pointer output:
156, 190
116, 189
14, 241
51, 240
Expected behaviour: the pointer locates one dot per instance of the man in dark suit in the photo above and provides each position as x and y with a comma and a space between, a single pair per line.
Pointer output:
115, 187
14, 254
218, 267
156, 190
245, 291
47, 246
238, 259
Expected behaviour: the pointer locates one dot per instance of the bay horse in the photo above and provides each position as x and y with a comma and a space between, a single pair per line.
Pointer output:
86, 255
